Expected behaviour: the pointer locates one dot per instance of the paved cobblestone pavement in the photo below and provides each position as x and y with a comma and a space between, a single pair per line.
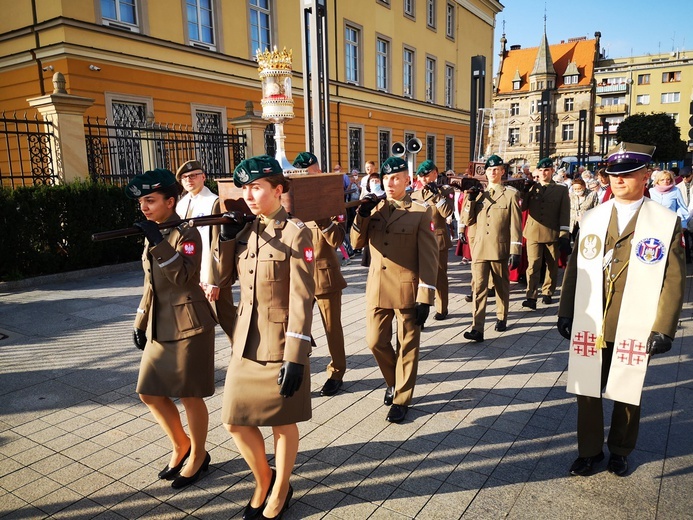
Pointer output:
490, 434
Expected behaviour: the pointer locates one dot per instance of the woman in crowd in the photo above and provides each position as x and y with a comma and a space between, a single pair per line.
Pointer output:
665, 192
268, 380
580, 201
174, 326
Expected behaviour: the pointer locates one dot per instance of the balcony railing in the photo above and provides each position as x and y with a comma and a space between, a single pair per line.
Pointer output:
621, 108
612, 89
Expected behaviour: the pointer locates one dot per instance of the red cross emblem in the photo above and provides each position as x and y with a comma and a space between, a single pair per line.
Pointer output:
630, 352
583, 343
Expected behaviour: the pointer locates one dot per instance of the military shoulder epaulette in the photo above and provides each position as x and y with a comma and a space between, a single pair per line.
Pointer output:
296, 222
421, 203
511, 188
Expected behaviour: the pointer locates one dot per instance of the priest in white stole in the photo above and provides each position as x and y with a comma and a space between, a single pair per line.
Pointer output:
620, 304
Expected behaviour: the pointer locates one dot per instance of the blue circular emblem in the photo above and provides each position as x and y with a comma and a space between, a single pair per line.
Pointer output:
650, 250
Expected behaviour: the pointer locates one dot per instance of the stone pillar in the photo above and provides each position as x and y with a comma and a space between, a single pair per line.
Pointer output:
253, 126
66, 113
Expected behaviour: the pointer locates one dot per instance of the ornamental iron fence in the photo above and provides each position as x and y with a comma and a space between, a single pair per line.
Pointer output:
27, 152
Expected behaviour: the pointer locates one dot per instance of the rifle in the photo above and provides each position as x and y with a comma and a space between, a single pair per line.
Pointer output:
207, 220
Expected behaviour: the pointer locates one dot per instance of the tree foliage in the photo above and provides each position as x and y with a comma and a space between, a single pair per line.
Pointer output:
659, 130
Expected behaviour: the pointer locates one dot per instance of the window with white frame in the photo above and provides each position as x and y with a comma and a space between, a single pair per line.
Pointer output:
450, 20
352, 37
533, 106
384, 140
382, 57
449, 86
514, 109
642, 99
449, 153
410, 8
408, 136
431, 13
569, 104
430, 80
201, 23
408, 57
568, 132
671, 97
513, 136
260, 25
355, 134
120, 13
570, 80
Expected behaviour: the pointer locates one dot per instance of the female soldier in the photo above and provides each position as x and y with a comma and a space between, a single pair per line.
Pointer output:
268, 380
178, 358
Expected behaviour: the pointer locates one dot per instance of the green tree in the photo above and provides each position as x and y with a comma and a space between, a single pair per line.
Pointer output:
659, 130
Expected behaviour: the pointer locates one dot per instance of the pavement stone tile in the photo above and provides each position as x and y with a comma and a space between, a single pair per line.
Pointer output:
80, 509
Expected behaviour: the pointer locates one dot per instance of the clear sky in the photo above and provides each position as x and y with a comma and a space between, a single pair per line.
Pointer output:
628, 27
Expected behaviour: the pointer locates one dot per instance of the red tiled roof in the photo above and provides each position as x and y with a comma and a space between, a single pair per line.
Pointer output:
581, 52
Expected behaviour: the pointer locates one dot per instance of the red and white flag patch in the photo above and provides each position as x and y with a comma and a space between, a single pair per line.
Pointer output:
683, 241
340, 218
308, 254
433, 227
189, 248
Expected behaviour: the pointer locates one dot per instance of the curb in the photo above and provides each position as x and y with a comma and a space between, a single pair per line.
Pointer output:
69, 276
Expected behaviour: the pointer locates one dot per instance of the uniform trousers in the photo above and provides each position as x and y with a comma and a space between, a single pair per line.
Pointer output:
481, 271
399, 366
330, 306
535, 253
625, 420
442, 283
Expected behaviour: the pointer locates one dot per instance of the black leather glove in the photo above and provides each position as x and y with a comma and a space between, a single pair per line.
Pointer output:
139, 338
564, 326
236, 222
527, 185
564, 245
658, 343
369, 202
422, 310
473, 193
513, 262
290, 378
150, 229
432, 187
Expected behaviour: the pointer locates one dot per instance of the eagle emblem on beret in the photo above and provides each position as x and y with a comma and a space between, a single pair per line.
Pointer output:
135, 190
387, 168
243, 175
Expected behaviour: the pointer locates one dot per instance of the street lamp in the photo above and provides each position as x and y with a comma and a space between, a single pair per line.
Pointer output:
605, 136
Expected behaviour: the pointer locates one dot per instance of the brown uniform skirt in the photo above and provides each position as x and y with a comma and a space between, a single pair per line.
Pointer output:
251, 395
183, 368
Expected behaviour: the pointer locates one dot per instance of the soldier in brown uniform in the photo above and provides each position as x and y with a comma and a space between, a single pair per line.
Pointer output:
401, 280
496, 216
547, 230
174, 326
268, 379
328, 234
660, 315
442, 199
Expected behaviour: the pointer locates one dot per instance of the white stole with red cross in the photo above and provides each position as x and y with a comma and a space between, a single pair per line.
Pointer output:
645, 274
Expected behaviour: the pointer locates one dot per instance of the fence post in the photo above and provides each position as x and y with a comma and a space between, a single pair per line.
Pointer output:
66, 113
253, 127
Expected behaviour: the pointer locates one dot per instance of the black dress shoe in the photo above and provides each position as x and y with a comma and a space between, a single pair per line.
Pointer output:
584, 466
440, 316
491, 293
284, 507
530, 303
501, 326
170, 473
397, 413
546, 299
389, 394
331, 387
252, 513
474, 335
468, 297
618, 465
180, 481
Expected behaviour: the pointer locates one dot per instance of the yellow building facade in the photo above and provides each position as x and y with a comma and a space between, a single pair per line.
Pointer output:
397, 69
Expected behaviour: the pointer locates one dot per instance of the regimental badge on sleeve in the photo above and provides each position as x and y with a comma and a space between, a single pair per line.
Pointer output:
308, 254
433, 227
188, 248
340, 218
683, 241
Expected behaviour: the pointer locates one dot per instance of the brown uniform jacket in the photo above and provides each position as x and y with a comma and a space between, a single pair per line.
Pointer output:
275, 273
496, 224
327, 234
443, 205
549, 212
173, 306
673, 287
404, 254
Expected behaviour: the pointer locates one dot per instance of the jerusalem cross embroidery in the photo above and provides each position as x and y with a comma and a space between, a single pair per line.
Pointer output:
630, 352
583, 343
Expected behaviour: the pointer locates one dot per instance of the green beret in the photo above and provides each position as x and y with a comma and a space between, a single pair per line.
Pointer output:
149, 182
186, 167
305, 159
545, 163
392, 165
426, 167
256, 168
492, 161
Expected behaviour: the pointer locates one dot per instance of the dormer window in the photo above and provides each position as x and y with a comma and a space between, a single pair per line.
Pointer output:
571, 76
517, 80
